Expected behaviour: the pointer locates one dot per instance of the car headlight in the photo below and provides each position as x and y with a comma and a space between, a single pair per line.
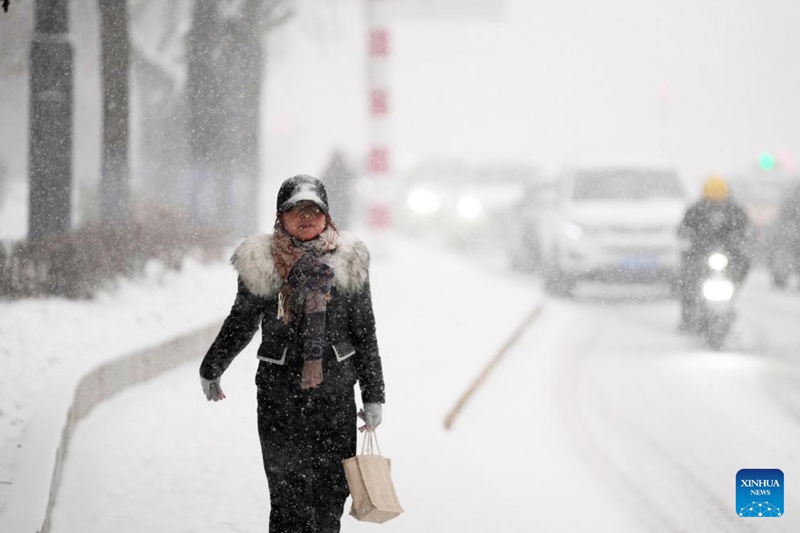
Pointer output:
423, 201
469, 207
717, 261
572, 231
718, 290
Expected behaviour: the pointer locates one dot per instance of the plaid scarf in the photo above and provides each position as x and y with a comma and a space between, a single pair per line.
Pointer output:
302, 301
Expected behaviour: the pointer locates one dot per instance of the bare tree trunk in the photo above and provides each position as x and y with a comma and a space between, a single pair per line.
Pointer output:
51, 105
204, 91
115, 179
225, 68
243, 102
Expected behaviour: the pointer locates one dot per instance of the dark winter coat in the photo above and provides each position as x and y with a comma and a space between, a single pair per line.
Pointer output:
708, 224
351, 354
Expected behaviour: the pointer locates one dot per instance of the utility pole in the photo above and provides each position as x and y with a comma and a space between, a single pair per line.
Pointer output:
50, 150
379, 157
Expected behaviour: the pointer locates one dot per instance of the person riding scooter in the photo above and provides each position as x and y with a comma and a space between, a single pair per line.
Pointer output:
715, 221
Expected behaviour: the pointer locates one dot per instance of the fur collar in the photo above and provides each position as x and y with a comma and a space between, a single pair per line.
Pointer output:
253, 262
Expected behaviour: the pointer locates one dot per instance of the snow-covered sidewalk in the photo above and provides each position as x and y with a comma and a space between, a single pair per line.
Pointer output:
47, 345
439, 321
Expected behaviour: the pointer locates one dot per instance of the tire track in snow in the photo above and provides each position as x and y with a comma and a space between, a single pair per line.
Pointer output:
576, 381
782, 380
760, 317
599, 460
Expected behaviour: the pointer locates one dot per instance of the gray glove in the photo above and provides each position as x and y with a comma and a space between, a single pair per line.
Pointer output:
373, 414
212, 389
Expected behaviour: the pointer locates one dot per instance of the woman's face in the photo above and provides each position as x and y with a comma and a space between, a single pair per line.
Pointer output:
304, 221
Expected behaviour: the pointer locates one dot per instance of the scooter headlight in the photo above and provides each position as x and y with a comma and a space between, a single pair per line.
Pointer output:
718, 290
717, 261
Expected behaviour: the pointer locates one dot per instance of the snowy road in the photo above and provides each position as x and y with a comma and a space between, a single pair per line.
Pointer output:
601, 418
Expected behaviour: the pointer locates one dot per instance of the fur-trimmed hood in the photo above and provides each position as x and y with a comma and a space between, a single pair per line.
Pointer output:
254, 264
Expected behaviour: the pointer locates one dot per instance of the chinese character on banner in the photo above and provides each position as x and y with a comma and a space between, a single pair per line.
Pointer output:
379, 216
379, 42
378, 161
379, 104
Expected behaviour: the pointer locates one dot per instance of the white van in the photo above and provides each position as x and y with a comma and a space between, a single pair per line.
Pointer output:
614, 224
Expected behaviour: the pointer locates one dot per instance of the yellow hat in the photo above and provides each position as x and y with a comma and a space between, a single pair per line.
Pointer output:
715, 189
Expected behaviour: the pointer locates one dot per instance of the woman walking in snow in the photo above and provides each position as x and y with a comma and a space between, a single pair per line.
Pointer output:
307, 286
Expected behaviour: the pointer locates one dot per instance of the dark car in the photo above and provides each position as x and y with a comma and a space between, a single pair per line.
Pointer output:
783, 241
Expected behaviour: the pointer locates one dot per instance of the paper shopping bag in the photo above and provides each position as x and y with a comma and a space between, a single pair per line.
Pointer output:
370, 482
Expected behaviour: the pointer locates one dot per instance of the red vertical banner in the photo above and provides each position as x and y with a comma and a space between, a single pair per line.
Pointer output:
379, 42
378, 211
379, 216
379, 102
379, 160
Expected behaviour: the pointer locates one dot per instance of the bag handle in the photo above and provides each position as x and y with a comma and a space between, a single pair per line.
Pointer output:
370, 443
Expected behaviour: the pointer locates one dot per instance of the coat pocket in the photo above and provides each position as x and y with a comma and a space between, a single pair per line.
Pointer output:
275, 361
343, 350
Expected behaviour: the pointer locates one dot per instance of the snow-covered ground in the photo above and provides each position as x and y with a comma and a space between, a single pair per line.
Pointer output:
46, 345
601, 417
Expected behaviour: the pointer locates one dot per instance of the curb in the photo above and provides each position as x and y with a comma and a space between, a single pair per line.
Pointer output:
33, 499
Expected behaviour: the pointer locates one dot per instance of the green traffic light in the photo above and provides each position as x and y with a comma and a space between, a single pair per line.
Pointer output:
766, 161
